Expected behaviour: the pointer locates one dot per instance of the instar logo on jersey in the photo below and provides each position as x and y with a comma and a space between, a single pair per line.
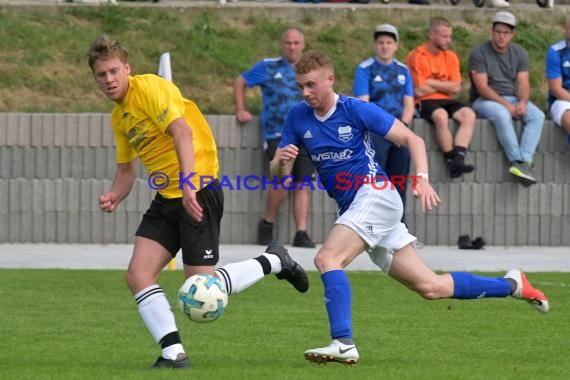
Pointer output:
344, 154
345, 133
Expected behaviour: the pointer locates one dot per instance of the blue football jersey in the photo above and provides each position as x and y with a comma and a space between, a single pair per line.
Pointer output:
386, 85
558, 66
339, 145
279, 91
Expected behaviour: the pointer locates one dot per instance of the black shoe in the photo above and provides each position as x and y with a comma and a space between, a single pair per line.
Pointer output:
419, 2
264, 233
182, 362
465, 242
303, 240
290, 269
457, 166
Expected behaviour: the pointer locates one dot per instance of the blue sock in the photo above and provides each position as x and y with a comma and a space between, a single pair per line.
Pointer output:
470, 286
338, 300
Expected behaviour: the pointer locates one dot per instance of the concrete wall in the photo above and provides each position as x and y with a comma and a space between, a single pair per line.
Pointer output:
53, 167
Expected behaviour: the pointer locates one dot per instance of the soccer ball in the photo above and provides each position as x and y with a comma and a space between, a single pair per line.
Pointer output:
202, 298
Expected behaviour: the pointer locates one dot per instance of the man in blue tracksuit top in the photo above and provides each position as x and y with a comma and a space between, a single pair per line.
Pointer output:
387, 82
276, 78
558, 75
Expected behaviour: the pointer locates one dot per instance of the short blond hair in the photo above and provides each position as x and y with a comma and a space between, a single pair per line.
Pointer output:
104, 48
313, 60
438, 21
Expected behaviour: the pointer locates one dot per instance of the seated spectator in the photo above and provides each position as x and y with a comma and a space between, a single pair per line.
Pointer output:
387, 82
500, 92
437, 80
558, 75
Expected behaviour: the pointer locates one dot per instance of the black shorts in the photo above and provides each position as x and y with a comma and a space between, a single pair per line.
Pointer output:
426, 107
167, 223
303, 168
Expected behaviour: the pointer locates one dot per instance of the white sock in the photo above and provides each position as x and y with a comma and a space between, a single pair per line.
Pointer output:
275, 262
240, 276
171, 352
158, 317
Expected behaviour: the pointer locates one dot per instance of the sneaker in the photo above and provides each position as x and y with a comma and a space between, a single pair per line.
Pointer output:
303, 240
498, 4
182, 361
523, 172
290, 269
457, 166
334, 352
264, 233
525, 291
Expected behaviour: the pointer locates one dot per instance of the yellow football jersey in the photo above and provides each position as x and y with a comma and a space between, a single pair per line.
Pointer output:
139, 125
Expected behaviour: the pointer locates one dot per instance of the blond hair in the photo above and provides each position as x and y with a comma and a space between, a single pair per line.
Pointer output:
438, 21
104, 48
313, 60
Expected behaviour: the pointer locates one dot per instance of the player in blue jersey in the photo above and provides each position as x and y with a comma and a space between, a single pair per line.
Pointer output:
558, 75
386, 82
276, 77
339, 143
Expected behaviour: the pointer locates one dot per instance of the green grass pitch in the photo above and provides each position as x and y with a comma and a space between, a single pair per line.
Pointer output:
83, 324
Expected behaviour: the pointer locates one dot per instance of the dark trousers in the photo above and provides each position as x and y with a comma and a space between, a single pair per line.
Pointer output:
395, 161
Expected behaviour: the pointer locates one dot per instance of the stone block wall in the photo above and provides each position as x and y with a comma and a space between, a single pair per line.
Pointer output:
53, 167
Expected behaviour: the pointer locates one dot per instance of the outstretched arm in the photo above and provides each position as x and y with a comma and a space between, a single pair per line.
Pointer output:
421, 187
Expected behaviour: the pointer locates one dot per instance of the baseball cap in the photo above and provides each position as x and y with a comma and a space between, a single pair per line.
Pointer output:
386, 29
506, 18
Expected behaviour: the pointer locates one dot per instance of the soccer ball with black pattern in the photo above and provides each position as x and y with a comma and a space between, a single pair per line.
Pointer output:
202, 298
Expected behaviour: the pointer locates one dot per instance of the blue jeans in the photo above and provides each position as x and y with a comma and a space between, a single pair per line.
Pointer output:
505, 127
395, 161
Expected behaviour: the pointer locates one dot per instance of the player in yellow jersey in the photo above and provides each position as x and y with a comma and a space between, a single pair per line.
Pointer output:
153, 122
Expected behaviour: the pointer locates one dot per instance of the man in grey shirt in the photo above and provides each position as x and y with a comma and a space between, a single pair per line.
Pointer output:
500, 92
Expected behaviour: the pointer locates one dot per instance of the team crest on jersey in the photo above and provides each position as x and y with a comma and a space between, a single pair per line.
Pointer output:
345, 133
402, 79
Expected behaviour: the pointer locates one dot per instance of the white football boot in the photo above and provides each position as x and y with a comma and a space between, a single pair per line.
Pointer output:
334, 352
